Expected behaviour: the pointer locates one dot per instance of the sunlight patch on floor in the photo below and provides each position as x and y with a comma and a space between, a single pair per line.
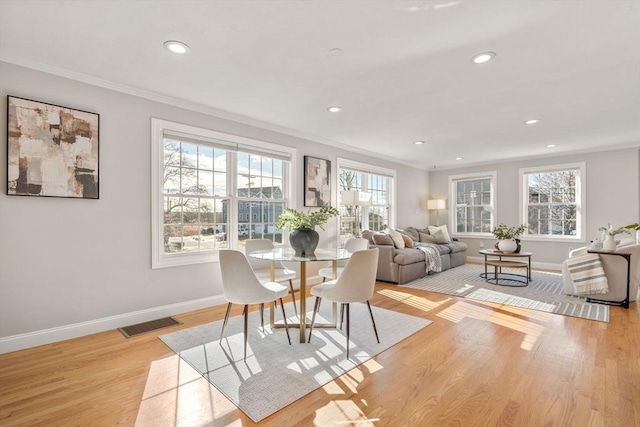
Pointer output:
353, 378
342, 412
421, 303
541, 316
176, 394
462, 309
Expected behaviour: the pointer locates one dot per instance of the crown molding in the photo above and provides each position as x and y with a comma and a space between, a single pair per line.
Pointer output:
188, 105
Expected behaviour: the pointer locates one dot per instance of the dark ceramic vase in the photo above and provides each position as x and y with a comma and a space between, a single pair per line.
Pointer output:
304, 241
517, 251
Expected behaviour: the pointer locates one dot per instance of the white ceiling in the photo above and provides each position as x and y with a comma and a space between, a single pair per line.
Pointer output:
404, 75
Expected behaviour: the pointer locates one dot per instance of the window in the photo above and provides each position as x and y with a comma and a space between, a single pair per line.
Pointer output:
212, 191
369, 203
194, 192
474, 202
553, 201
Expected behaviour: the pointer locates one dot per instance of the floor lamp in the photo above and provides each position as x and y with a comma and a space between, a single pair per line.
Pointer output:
355, 199
436, 205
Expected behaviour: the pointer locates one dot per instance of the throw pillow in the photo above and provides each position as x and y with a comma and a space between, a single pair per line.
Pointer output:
411, 232
408, 242
437, 238
443, 228
383, 239
427, 238
368, 234
440, 238
398, 241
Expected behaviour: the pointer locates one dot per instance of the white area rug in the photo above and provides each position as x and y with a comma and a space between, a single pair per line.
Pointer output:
544, 292
275, 373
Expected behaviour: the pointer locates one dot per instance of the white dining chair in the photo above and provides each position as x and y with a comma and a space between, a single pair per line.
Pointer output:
262, 268
356, 284
351, 245
241, 286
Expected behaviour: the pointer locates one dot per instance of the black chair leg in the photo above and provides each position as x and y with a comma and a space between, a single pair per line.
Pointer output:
348, 309
262, 315
226, 318
341, 315
373, 321
316, 307
246, 328
293, 297
284, 317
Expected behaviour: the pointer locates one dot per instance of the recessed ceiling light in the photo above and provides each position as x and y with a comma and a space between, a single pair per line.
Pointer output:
483, 58
419, 142
176, 46
551, 145
334, 109
336, 51
532, 122
458, 158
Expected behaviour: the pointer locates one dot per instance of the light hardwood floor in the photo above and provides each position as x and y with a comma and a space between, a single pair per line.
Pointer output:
478, 364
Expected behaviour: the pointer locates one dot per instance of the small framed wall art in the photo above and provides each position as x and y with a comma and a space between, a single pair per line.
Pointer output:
317, 182
52, 151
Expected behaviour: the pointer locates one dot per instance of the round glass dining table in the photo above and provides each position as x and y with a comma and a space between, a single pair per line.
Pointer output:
288, 255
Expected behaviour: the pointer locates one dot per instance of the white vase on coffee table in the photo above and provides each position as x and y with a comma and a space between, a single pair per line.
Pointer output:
507, 245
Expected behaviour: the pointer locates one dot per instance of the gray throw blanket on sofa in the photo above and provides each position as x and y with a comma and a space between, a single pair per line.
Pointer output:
431, 256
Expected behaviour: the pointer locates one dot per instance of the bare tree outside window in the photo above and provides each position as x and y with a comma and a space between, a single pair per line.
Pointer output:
192, 211
552, 203
354, 219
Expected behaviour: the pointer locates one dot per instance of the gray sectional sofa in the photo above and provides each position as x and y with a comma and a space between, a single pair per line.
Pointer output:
402, 265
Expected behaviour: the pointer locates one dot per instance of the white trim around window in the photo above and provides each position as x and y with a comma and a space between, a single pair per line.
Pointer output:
343, 163
580, 200
491, 207
233, 143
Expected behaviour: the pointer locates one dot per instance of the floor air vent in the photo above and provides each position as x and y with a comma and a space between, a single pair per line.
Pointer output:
152, 325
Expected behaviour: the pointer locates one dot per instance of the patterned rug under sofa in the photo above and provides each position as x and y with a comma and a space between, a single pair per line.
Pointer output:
544, 292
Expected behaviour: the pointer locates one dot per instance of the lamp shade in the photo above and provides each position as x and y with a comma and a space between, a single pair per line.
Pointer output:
436, 204
348, 197
364, 199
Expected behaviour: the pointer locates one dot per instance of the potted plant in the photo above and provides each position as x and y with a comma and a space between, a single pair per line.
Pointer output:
636, 227
609, 243
508, 237
303, 237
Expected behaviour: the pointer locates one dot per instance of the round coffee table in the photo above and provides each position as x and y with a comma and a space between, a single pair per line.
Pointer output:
494, 258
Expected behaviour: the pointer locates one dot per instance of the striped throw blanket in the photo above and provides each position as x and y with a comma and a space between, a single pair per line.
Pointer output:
431, 256
587, 275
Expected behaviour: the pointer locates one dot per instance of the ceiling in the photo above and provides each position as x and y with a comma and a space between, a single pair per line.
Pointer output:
404, 72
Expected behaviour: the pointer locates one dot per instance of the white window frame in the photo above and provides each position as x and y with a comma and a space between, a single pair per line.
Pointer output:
453, 180
581, 200
159, 259
371, 169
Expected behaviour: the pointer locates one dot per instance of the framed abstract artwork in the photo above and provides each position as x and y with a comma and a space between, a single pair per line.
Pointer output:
317, 182
52, 151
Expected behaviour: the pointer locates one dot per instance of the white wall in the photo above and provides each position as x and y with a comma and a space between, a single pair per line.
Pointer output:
613, 196
70, 267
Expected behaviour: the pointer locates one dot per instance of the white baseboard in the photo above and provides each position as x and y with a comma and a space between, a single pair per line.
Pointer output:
539, 265
60, 333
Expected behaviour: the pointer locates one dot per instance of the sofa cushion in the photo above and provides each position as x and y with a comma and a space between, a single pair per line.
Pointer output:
382, 239
443, 249
456, 247
408, 256
411, 232
408, 243
368, 234
437, 238
398, 241
443, 228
